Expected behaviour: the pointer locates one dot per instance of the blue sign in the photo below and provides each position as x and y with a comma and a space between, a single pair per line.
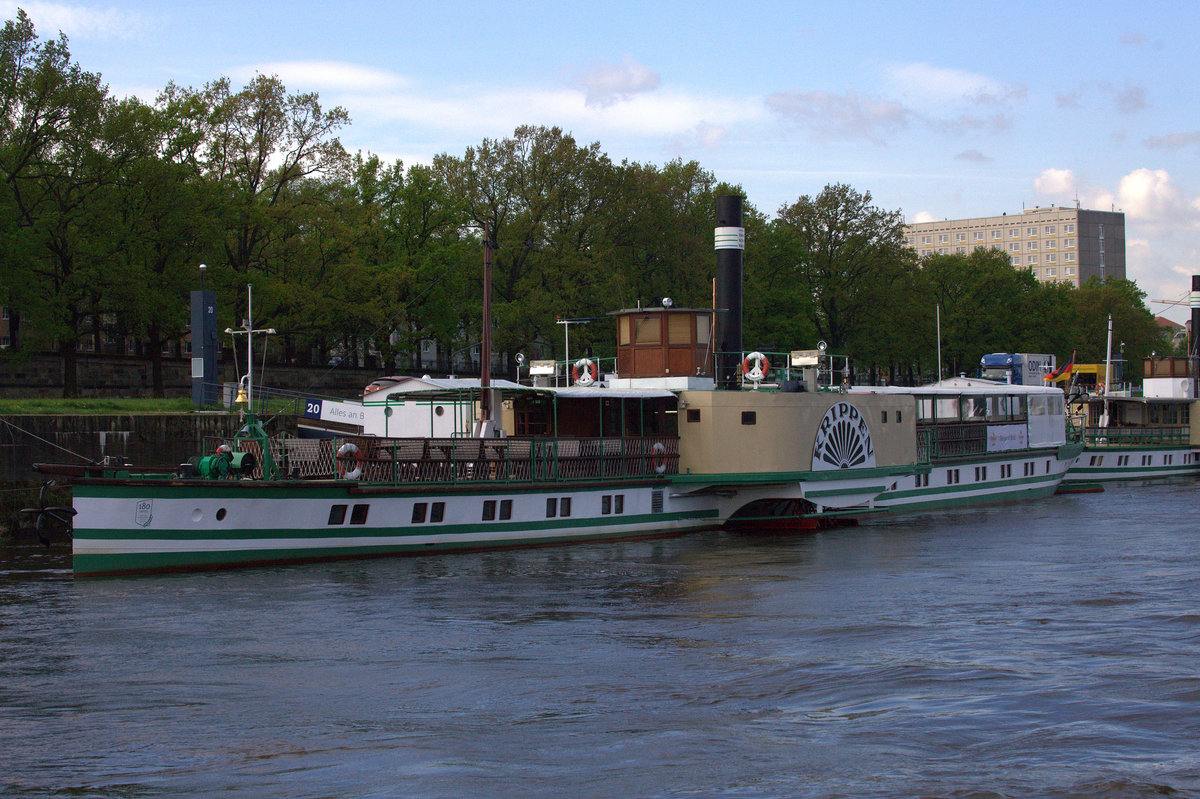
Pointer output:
312, 408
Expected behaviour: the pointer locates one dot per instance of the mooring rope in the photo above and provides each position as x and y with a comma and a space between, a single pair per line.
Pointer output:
44, 441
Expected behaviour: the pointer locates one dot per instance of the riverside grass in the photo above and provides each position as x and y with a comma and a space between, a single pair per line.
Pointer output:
36, 406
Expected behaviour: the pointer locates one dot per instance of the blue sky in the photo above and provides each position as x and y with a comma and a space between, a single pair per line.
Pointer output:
981, 110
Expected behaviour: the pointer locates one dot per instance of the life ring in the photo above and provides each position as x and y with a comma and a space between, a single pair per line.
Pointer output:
349, 452
658, 457
756, 366
1100, 389
585, 372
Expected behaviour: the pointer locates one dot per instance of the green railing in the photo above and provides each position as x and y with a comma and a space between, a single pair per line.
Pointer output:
1170, 435
398, 461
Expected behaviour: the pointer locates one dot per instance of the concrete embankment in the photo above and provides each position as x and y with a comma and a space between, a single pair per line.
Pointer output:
146, 440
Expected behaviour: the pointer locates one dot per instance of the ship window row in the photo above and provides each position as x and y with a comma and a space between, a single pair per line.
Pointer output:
489, 510
954, 476
1003, 408
358, 514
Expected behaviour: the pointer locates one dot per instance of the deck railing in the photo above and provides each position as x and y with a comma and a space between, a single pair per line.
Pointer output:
458, 460
1170, 435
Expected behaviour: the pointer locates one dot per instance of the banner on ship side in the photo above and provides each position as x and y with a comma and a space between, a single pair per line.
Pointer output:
1004, 437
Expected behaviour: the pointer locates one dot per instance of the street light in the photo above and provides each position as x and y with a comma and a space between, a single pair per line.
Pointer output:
202, 268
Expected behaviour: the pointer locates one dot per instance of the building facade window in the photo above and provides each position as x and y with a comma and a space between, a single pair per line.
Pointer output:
927, 239
1031, 231
1050, 245
995, 235
943, 238
1051, 271
960, 237
979, 235
1014, 246
1068, 228
1068, 243
1049, 230
1069, 270
1031, 245
1069, 257
1051, 258
1014, 233
1016, 260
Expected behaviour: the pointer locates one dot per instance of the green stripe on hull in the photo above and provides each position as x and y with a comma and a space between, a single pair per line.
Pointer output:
957, 497
97, 564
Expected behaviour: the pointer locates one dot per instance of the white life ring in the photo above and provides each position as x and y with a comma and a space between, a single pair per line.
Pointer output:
585, 372
658, 457
1100, 389
756, 366
349, 452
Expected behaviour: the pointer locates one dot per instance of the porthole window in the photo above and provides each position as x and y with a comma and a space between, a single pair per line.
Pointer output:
221, 514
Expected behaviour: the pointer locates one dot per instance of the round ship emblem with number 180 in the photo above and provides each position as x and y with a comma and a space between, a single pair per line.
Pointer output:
843, 440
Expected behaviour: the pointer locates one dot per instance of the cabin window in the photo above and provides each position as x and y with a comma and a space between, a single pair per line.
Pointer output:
551, 507
489, 510
564, 506
437, 512
656, 502
693, 414
505, 509
883, 417
649, 330
623, 331
606, 504
679, 328
619, 503
359, 514
749, 417
899, 417
703, 328
221, 514
337, 514
418, 514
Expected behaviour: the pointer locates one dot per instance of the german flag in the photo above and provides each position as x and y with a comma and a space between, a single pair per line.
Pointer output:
1061, 373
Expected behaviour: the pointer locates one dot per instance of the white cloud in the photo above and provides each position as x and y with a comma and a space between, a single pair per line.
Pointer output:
486, 111
325, 76
1057, 183
606, 83
932, 87
841, 116
77, 22
923, 216
1161, 222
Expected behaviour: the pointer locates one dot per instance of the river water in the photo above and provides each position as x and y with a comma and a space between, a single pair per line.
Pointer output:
1040, 649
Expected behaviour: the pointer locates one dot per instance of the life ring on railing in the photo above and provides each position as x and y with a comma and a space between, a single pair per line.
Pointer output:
658, 457
756, 366
347, 453
1099, 389
585, 372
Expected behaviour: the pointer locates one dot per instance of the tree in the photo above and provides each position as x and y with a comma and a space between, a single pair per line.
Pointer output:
64, 146
833, 259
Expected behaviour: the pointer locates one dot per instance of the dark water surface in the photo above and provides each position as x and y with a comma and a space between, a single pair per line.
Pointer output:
1047, 649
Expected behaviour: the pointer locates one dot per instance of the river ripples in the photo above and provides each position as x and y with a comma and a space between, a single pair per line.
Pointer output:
1048, 649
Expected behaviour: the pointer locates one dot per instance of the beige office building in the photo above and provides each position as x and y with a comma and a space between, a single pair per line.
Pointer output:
1067, 245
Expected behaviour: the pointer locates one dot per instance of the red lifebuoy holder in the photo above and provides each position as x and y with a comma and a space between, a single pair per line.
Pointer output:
756, 366
585, 372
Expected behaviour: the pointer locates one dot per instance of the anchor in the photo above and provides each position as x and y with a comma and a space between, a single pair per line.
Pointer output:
49, 519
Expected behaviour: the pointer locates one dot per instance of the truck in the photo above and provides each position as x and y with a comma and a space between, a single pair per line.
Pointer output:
1021, 368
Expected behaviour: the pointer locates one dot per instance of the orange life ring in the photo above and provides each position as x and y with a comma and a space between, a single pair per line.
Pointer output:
586, 369
346, 453
756, 366
1100, 389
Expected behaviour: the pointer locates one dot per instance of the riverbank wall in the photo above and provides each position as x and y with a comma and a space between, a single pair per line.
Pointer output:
148, 440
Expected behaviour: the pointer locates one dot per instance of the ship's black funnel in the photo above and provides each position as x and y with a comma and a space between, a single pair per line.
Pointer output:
730, 240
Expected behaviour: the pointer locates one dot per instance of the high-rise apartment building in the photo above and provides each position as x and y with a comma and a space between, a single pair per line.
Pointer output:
1056, 244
